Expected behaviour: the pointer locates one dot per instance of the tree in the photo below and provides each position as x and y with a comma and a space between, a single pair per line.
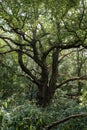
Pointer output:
38, 31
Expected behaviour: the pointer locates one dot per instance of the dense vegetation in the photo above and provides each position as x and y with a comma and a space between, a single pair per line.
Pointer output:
43, 71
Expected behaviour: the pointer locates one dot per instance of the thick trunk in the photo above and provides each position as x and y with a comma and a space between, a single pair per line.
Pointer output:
43, 86
42, 96
45, 96
47, 87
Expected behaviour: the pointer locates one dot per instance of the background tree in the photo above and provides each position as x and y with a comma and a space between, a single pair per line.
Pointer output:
38, 31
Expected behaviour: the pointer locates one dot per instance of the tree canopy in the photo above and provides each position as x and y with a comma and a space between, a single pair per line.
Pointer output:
37, 32
43, 70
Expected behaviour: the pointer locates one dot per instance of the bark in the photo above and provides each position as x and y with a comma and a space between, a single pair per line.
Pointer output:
43, 87
47, 88
54, 76
25, 69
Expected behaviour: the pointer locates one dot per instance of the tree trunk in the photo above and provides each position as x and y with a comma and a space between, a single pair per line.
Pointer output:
47, 87
45, 95
42, 96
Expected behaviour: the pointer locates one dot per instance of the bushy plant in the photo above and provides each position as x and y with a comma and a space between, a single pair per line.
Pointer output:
23, 117
30, 117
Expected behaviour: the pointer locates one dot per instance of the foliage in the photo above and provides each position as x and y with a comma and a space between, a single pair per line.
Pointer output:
22, 117
13, 84
36, 33
29, 116
42, 63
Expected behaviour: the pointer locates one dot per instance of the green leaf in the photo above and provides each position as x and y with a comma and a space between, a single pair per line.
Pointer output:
31, 128
5, 104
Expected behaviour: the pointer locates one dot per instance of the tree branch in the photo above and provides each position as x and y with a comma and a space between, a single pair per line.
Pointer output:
72, 79
16, 50
75, 44
21, 33
67, 54
48, 127
24, 68
13, 41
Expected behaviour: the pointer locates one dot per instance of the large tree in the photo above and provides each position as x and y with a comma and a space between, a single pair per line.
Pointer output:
38, 31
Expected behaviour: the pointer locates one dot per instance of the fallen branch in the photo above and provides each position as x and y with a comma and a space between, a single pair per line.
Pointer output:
48, 127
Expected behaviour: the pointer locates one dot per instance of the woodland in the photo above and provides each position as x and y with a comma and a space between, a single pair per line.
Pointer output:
43, 65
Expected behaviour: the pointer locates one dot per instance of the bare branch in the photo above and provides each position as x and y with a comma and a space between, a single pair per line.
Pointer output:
48, 127
72, 79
